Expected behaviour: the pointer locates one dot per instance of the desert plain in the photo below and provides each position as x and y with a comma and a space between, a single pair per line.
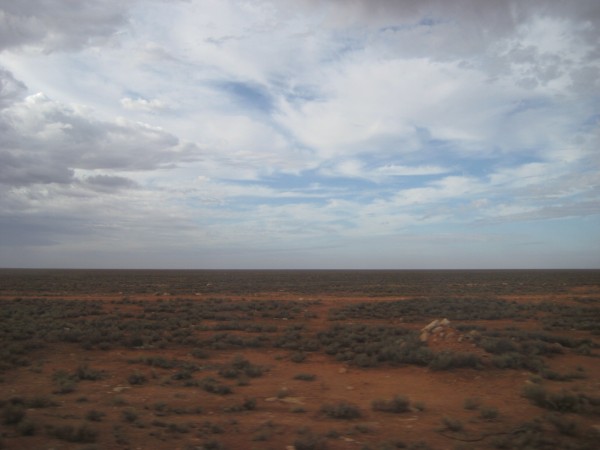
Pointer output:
143, 359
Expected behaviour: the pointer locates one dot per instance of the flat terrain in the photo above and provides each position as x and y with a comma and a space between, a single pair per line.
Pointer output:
299, 359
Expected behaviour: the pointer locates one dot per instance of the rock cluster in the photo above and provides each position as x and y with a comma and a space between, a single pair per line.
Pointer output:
439, 328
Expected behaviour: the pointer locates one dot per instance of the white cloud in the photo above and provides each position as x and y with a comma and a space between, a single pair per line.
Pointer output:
212, 124
141, 104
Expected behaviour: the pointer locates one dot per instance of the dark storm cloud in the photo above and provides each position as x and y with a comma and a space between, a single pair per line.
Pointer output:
59, 24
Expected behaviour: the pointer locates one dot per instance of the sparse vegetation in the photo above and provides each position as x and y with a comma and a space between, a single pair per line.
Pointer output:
197, 357
563, 401
82, 433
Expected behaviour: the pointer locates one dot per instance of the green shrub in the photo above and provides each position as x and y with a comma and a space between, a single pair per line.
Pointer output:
563, 401
137, 378
305, 376
309, 441
40, 401
130, 415
12, 414
84, 372
563, 424
65, 383
455, 360
212, 445
398, 404
497, 346
69, 433
241, 367
94, 416
342, 410
26, 428
298, 357
211, 385
488, 413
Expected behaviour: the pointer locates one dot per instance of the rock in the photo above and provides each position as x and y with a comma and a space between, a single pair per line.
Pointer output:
431, 325
120, 388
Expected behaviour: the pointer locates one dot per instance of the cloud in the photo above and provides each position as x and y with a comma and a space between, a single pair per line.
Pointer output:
141, 104
11, 89
109, 182
51, 25
216, 127
44, 140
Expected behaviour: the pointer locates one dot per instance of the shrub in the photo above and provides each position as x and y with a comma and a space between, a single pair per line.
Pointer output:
129, 415
563, 424
94, 416
497, 346
41, 402
342, 410
472, 403
84, 372
563, 401
65, 382
454, 360
305, 376
12, 414
212, 445
26, 428
200, 353
309, 441
452, 424
249, 404
241, 367
513, 360
214, 387
398, 404
298, 357
488, 413
68, 433
137, 378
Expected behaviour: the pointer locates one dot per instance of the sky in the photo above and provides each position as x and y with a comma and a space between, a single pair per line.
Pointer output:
300, 134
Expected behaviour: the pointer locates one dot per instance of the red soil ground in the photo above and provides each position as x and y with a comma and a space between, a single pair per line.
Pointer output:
287, 407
